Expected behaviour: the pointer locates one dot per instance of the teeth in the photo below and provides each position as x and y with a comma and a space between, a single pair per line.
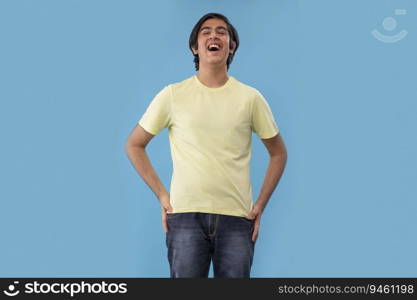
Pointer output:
214, 46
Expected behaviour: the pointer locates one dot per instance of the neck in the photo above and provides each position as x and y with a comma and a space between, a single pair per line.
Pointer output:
212, 76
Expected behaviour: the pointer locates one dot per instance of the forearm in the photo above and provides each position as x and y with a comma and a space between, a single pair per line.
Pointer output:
140, 160
273, 175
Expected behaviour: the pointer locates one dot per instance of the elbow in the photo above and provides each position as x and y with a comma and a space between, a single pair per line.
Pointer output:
129, 146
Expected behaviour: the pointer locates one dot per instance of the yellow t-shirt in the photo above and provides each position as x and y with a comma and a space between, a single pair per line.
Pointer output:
210, 134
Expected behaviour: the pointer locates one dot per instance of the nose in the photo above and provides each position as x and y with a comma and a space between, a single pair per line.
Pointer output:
213, 35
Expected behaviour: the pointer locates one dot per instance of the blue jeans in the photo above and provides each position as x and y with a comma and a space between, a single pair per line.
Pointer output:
194, 239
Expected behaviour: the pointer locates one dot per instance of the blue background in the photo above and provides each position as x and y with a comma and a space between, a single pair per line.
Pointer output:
76, 76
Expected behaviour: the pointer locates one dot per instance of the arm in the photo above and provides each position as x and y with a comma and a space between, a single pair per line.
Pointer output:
278, 159
135, 150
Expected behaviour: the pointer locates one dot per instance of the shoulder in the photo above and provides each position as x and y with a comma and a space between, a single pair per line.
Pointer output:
252, 94
247, 89
169, 89
179, 86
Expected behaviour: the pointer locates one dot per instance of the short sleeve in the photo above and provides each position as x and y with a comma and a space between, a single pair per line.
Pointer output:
263, 122
158, 114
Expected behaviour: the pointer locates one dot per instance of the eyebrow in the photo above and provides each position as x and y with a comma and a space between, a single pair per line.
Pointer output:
208, 27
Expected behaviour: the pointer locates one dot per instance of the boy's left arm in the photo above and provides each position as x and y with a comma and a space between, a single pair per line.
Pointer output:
278, 159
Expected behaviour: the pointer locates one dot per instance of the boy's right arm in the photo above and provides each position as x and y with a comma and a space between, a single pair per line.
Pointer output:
135, 150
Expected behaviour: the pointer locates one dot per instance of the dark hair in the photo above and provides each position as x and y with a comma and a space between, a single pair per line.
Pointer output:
193, 43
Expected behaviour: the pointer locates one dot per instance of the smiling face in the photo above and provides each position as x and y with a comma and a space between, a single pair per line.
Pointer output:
213, 43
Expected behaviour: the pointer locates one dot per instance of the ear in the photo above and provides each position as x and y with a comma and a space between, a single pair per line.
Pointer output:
232, 47
194, 50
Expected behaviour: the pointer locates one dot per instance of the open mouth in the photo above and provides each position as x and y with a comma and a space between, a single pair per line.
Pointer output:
213, 47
